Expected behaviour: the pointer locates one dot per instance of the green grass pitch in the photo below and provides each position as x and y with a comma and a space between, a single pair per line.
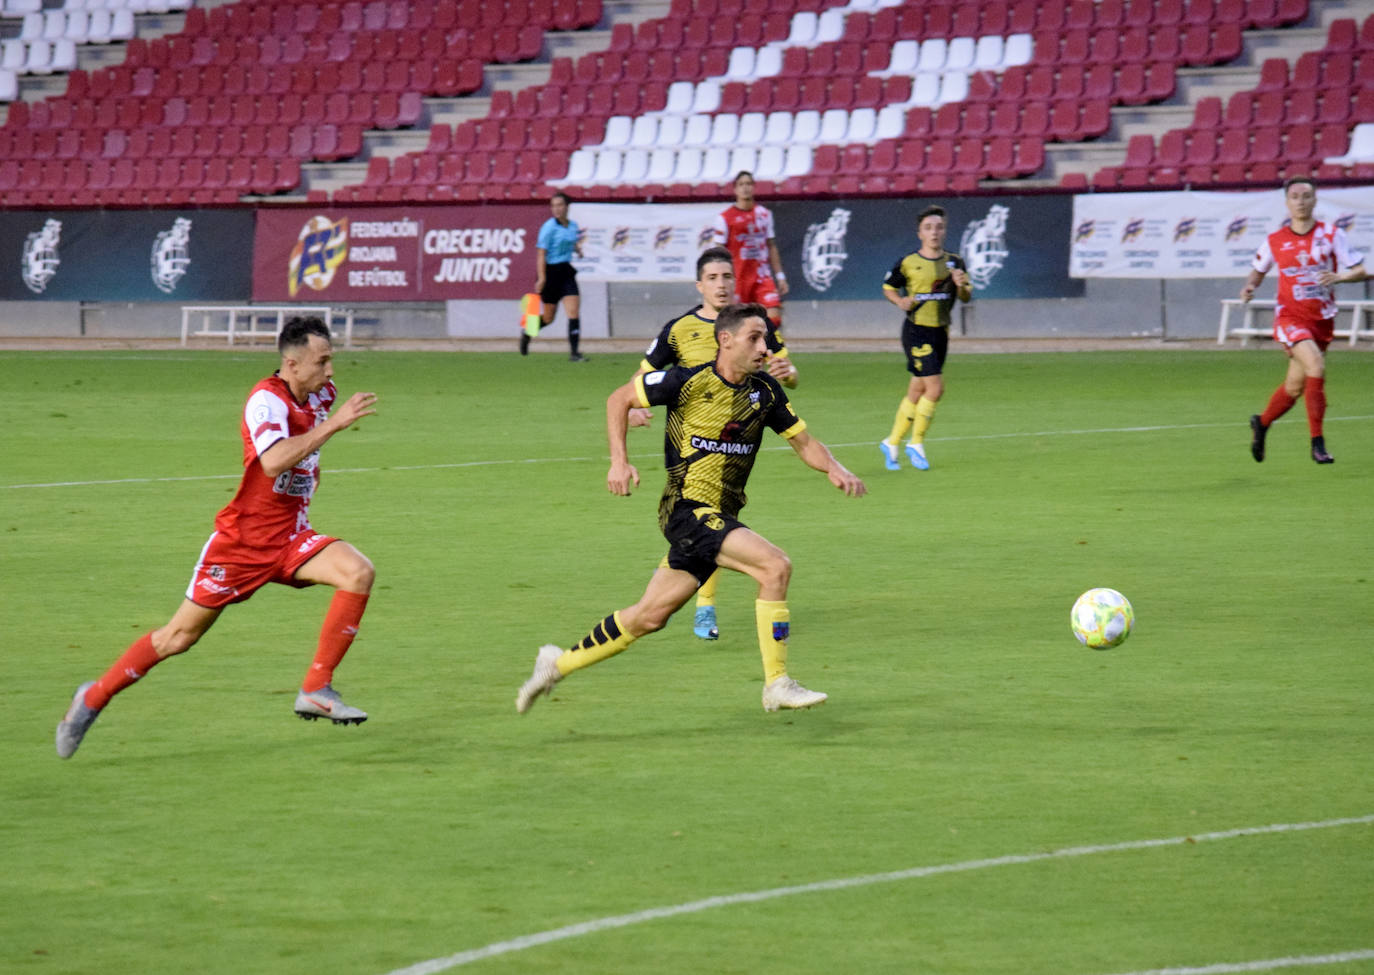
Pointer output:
202, 828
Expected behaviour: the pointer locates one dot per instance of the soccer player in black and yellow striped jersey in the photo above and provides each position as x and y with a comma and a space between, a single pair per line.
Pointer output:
690, 340
924, 285
717, 413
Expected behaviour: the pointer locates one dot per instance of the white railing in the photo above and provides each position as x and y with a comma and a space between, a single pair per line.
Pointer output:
253, 322
1361, 320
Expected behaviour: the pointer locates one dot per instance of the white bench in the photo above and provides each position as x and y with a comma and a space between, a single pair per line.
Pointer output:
253, 322
1361, 320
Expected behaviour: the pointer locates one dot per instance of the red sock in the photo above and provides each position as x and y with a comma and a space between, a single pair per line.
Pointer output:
1314, 394
336, 636
1279, 404
136, 661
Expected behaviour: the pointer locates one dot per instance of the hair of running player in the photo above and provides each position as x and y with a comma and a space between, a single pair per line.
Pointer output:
713, 255
296, 332
934, 210
731, 317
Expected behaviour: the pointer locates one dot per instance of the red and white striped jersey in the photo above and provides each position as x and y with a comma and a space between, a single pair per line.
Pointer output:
1300, 258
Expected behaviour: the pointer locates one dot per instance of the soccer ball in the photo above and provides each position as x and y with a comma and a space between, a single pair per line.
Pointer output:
1101, 619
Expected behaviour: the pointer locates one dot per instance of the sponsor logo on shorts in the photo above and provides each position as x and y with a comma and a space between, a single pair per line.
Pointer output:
306, 545
217, 573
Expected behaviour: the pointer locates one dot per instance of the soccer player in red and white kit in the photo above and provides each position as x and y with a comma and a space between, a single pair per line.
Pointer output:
1311, 257
263, 535
746, 231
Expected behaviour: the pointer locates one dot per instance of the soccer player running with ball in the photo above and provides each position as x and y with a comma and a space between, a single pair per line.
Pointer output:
1311, 257
263, 535
690, 340
924, 285
716, 417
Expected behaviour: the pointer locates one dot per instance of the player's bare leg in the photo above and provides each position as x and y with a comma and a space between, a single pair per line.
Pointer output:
749, 552
351, 574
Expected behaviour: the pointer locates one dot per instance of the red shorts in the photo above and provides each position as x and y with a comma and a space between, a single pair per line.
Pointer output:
228, 573
1291, 333
752, 286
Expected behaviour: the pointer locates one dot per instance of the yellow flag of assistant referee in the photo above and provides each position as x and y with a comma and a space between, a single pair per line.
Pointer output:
530, 318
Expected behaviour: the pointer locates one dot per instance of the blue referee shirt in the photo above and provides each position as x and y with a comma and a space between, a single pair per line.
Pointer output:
557, 241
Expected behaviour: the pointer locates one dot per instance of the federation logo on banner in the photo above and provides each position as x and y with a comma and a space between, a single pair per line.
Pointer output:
320, 249
40, 259
1084, 231
1185, 229
984, 245
823, 253
171, 255
1132, 230
1237, 227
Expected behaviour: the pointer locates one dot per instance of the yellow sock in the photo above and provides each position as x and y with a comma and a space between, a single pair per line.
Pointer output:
906, 415
606, 639
773, 622
706, 595
925, 412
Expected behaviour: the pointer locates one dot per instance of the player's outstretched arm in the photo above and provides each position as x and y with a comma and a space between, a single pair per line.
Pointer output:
817, 455
286, 454
622, 475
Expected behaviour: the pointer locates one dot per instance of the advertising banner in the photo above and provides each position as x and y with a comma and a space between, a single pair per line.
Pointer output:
1013, 245
1196, 234
642, 242
126, 255
395, 253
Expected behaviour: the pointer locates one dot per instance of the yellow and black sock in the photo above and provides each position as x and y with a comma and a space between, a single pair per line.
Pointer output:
925, 412
906, 415
606, 639
706, 595
773, 623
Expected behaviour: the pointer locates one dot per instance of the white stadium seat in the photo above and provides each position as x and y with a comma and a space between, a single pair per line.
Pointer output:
122, 25
645, 131
752, 126
715, 166
54, 25
698, 131
778, 131
724, 129
635, 168
688, 168
100, 27
617, 131
770, 163
891, 122
1017, 50
987, 56
31, 27
863, 122
707, 98
925, 90
9, 86
959, 54
680, 94
933, 51
13, 54
670, 130
768, 63
661, 163
78, 26
806, 126
803, 32
742, 158
741, 66
830, 26
905, 55
39, 59
607, 166
581, 166
798, 161
953, 87
834, 124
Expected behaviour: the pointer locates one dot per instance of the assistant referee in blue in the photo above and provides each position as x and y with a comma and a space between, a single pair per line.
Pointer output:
559, 240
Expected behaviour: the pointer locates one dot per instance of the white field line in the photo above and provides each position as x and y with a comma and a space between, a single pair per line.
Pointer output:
579, 460
435, 965
1265, 964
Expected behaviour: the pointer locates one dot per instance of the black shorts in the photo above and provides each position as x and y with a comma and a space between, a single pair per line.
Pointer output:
925, 349
695, 533
560, 281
